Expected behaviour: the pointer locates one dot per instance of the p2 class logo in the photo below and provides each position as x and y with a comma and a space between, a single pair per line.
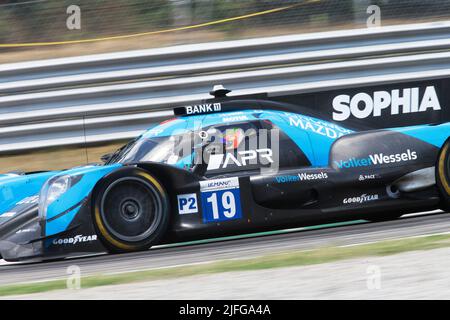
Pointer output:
187, 203
221, 200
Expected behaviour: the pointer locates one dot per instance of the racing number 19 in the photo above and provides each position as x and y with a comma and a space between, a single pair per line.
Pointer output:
221, 200
228, 205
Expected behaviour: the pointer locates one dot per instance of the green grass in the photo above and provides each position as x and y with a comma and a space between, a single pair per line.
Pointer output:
287, 259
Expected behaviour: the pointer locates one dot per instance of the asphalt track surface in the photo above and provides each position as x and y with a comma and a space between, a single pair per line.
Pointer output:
169, 256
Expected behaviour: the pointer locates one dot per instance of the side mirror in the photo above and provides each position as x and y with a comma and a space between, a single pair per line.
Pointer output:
105, 158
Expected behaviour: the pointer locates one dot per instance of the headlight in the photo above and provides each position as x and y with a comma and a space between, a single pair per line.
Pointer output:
53, 189
57, 188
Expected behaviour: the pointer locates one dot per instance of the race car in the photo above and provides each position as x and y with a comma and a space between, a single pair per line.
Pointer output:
224, 166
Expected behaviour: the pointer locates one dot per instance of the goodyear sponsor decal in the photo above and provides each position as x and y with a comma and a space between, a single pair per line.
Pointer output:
75, 240
361, 199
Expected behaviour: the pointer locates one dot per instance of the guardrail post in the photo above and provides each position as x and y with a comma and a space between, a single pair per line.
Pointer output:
359, 11
181, 12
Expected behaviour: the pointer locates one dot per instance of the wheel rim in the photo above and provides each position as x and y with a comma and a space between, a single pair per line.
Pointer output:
131, 209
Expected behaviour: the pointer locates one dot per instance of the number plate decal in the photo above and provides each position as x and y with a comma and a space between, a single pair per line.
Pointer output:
221, 200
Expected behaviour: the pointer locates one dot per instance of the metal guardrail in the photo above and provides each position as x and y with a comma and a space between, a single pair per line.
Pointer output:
112, 96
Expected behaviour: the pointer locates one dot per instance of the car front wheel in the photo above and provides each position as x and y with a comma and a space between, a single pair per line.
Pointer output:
131, 211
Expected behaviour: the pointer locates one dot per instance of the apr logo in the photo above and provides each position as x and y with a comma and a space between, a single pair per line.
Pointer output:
244, 158
363, 105
376, 159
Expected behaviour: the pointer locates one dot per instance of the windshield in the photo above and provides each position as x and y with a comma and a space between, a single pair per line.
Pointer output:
174, 150
164, 143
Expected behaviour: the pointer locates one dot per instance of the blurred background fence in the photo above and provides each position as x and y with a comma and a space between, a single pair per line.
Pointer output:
164, 23
31, 21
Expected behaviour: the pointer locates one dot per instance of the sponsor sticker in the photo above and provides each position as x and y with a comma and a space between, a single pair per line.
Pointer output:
377, 159
75, 240
319, 127
29, 230
361, 199
154, 132
203, 108
304, 176
221, 200
363, 105
235, 118
364, 177
29, 200
187, 203
8, 214
313, 176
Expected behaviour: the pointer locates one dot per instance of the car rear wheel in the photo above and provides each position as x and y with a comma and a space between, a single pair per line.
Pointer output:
131, 211
443, 175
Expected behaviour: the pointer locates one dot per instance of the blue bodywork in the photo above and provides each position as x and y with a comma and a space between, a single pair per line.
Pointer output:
17, 188
432, 134
62, 211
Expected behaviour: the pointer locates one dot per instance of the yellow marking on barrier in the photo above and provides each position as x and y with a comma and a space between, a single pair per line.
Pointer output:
196, 26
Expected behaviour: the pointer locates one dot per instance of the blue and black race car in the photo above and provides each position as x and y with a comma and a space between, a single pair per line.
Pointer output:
225, 166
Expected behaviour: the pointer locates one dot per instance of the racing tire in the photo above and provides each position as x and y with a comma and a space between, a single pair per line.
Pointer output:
130, 211
443, 175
